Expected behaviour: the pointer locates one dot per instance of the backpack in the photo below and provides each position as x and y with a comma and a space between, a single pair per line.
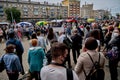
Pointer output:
68, 42
112, 54
49, 57
96, 73
69, 74
2, 65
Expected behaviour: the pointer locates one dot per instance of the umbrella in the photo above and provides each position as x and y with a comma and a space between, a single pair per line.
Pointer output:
24, 24
71, 20
119, 26
60, 20
90, 20
41, 23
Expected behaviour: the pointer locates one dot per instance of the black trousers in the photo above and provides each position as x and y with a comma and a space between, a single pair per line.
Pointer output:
28, 36
76, 53
113, 64
35, 74
13, 76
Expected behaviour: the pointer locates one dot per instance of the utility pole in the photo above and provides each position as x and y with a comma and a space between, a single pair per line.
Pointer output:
11, 16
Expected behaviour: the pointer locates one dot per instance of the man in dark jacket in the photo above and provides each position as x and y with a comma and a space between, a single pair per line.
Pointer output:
19, 47
77, 45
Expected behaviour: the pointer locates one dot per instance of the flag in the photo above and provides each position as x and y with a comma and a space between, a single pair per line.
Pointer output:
14, 22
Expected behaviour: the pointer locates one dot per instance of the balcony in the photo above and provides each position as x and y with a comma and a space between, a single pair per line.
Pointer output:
36, 13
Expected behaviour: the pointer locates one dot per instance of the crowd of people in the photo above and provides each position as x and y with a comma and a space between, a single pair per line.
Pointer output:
83, 40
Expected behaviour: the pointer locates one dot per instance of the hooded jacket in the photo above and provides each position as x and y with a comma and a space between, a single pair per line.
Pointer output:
36, 56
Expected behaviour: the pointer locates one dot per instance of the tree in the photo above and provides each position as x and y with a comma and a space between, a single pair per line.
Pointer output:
105, 17
13, 14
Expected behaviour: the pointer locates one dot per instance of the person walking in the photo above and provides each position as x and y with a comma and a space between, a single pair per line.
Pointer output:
36, 60
18, 46
96, 34
1, 34
42, 41
56, 69
61, 39
12, 63
77, 45
51, 35
113, 64
84, 63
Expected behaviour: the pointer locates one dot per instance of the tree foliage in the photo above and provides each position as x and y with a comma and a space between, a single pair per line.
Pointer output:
13, 14
105, 17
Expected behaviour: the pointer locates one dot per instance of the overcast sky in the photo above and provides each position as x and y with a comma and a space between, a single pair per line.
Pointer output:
114, 5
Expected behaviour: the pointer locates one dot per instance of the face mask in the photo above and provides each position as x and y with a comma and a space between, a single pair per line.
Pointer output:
14, 50
115, 34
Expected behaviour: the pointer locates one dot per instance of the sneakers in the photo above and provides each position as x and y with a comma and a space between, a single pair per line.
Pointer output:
23, 73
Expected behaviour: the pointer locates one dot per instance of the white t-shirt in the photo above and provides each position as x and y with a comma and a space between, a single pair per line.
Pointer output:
61, 38
42, 42
55, 73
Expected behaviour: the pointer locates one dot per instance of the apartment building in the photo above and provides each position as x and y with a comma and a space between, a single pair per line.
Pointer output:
87, 11
73, 7
34, 10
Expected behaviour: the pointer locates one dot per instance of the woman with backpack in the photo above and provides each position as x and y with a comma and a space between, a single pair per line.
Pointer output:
84, 64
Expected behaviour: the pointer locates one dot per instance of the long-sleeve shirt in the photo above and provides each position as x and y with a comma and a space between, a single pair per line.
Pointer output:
42, 42
36, 58
12, 63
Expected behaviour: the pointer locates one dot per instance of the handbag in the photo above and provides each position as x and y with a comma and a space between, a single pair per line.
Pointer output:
113, 53
2, 64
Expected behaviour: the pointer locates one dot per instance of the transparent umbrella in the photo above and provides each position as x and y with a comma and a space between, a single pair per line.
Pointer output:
22, 24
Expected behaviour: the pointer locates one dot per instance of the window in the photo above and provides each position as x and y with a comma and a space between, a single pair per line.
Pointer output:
14, 5
1, 11
52, 14
25, 11
35, 11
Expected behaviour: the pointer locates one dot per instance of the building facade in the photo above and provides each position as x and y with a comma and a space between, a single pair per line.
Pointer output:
73, 7
34, 10
87, 11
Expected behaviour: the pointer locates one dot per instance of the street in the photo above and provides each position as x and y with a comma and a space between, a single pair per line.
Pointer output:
25, 43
